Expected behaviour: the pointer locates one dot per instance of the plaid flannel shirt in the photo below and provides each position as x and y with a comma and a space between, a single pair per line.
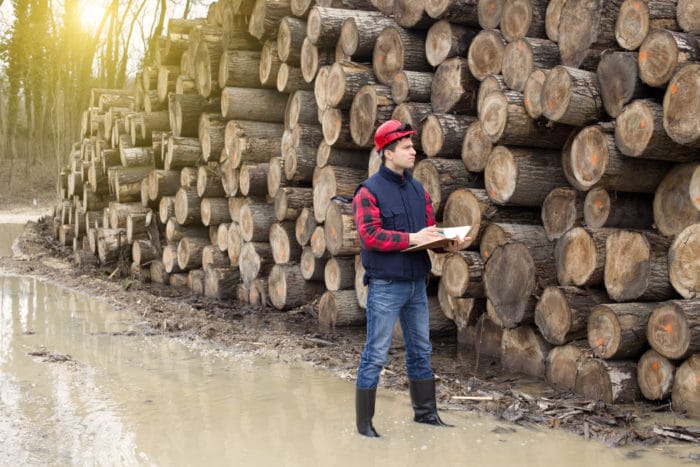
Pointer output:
369, 223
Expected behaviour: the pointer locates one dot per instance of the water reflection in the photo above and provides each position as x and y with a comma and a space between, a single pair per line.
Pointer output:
122, 398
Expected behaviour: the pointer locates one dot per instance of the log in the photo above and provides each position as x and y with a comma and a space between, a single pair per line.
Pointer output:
255, 261
187, 110
207, 62
290, 37
609, 381
158, 273
681, 115
441, 177
195, 281
340, 231
617, 209
562, 364
476, 148
314, 58
682, 262
636, 266
571, 96
521, 18
509, 281
222, 235
212, 129
684, 395
635, 19
312, 268
301, 108
413, 113
329, 155
175, 232
188, 206
119, 213
344, 81
209, 183
562, 210
501, 233
252, 141
442, 134
580, 256
562, 313
485, 56
236, 69
412, 14
318, 242
591, 159
137, 224
532, 93
456, 12
398, 49
359, 33
663, 52
234, 244
291, 79
370, 107
472, 206
290, 201
266, 17
525, 55
256, 218
230, 177
323, 25
258, 292
639, 132
552, 17
655, 376
462, 275
253, 179
674, 210
584, 26
687, 16
332, 181
288, 289
163, 183
446, 40
489, 13
340, 308
112, 245
522, 176
189, 252
262, 105
489, 84
178, 280
220, 282
524, 350
305, 226
214, 211
269, 65
673, 329
453, 88
339, 273
619, 81
213, 256
166, 208
414, 86
336, 131
504, 119
284, 248
618, 330
488, 337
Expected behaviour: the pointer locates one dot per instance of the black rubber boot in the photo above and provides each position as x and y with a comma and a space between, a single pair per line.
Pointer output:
423, 399
364, 411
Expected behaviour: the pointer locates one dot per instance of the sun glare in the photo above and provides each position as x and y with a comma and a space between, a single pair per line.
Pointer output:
90, 15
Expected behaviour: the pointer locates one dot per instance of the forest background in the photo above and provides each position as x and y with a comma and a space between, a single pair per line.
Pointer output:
52, 52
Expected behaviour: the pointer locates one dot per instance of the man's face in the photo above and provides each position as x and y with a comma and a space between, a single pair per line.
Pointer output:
402, 157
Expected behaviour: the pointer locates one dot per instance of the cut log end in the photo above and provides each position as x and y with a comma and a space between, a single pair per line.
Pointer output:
655, 376
576, 257
627, 265
669, 331
632, 24
683, 257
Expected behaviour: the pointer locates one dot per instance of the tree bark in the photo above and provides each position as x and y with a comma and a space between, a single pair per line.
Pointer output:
290, 201
263, 105
209, 183
188, 206
188, 109
454, 89
323, 25
580, 256
291, 79
189, 252
238, 67
636, 266
112, 245
214, 211
256, 218
266, 17
485, 56
269, 65
144, 252
340, 231
301, 108
359, 33
413, 113
673, 329
414, 86
290, 37
344, 81
158, 273
253, 180
329, 155
220, 282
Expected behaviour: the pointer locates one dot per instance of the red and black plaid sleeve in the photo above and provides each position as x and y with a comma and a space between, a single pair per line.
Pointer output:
369, 223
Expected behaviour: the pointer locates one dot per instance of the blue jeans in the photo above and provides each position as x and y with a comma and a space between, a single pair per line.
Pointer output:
388, 300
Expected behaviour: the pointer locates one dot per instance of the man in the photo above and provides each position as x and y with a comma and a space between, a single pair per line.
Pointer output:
392, 210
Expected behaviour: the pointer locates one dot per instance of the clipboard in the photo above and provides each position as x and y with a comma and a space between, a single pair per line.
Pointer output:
450, 233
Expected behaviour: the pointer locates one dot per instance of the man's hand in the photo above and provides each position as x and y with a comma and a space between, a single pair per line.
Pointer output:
427, 234
457, 244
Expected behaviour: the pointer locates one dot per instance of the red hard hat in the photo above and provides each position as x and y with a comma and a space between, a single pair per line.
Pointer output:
389, 131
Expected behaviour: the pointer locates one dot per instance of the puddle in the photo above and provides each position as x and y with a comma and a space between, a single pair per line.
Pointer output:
100, 390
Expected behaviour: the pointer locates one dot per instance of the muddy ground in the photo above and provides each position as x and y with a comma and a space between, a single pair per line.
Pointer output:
466, 381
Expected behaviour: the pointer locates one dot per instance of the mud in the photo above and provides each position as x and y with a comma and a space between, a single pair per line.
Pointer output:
465, 382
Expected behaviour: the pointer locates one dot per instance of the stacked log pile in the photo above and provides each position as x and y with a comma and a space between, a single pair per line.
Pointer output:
565, 133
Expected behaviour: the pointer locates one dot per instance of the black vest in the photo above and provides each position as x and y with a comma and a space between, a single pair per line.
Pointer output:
401, 202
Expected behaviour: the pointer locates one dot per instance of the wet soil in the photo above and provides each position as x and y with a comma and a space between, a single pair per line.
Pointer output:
466, 381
